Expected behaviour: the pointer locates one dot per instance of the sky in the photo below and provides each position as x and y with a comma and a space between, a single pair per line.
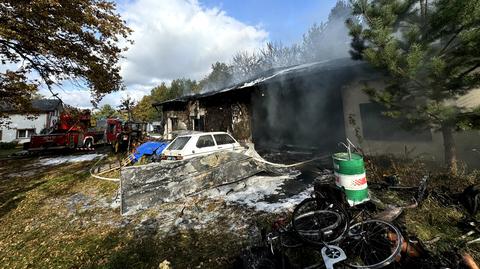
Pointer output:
183, 38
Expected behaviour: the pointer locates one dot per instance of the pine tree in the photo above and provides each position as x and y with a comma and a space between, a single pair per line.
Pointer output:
430, 54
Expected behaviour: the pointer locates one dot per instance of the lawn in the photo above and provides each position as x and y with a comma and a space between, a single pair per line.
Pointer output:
436, 222
58, 216
7, 152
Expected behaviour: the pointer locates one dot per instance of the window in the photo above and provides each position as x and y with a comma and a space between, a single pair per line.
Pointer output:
25, 133
179, 143
205, 141
223, 139
1, 135
174, 124
111, 128
199, 124
377, 126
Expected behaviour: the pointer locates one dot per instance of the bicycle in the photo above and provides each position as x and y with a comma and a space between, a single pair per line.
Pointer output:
354, 240
367, 242
287, 238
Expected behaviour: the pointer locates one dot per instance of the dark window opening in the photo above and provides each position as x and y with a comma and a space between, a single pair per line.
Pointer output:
377, 126
25, 133
223, 139
111, 128
205, 141
199, 124
174, 124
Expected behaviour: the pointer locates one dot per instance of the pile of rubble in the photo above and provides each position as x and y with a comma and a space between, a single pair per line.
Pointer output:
148, 185
373, 236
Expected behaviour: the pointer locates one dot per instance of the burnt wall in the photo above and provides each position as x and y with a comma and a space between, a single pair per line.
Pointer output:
304, 112
218, 118
242, 121
181, 118
175, 116
229, 112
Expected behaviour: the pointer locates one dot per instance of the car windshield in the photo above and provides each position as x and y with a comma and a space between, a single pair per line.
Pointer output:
179, 143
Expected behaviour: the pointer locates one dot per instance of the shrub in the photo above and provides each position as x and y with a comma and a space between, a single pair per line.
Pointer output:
8, 145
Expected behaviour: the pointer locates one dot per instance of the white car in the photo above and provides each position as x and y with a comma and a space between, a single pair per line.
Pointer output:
198, 144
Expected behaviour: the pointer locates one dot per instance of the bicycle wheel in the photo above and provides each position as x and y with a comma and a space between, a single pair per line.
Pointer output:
317, 222
371, 244
289, 239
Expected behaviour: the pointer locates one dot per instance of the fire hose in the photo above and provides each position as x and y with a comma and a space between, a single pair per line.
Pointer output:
288, 165
97, 175
249, 152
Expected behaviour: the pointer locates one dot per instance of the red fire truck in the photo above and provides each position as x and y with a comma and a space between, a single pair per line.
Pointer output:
77, 132
121, 135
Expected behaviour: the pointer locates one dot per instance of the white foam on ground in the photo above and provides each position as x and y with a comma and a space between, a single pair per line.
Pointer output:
68, 159
253, 192
286, 204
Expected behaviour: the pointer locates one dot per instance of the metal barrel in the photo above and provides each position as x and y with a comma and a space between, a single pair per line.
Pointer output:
350, 176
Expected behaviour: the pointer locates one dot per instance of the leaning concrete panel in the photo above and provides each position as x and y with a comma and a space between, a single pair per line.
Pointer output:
147, 185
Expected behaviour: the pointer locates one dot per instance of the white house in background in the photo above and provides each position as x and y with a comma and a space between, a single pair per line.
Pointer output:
21, 125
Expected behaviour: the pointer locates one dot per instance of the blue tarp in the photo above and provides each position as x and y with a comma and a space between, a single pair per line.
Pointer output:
150, 148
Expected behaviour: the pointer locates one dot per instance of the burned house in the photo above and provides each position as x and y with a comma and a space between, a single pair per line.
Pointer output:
307, 107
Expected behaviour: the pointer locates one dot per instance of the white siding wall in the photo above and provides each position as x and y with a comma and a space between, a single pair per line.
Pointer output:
470, 100
467, 143
17, 121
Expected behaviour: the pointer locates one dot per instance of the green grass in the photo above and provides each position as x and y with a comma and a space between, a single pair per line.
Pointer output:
434, 218
42, 229
4, 153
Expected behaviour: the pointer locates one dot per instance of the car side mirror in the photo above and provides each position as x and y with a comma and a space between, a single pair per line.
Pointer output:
193, 151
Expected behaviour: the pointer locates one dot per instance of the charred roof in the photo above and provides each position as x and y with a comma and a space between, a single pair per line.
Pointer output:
271, 75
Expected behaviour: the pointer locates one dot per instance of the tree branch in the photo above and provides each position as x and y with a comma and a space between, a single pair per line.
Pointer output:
468, 71
451, 39
35, 66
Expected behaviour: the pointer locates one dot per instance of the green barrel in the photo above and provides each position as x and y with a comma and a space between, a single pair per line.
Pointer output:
350, 175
